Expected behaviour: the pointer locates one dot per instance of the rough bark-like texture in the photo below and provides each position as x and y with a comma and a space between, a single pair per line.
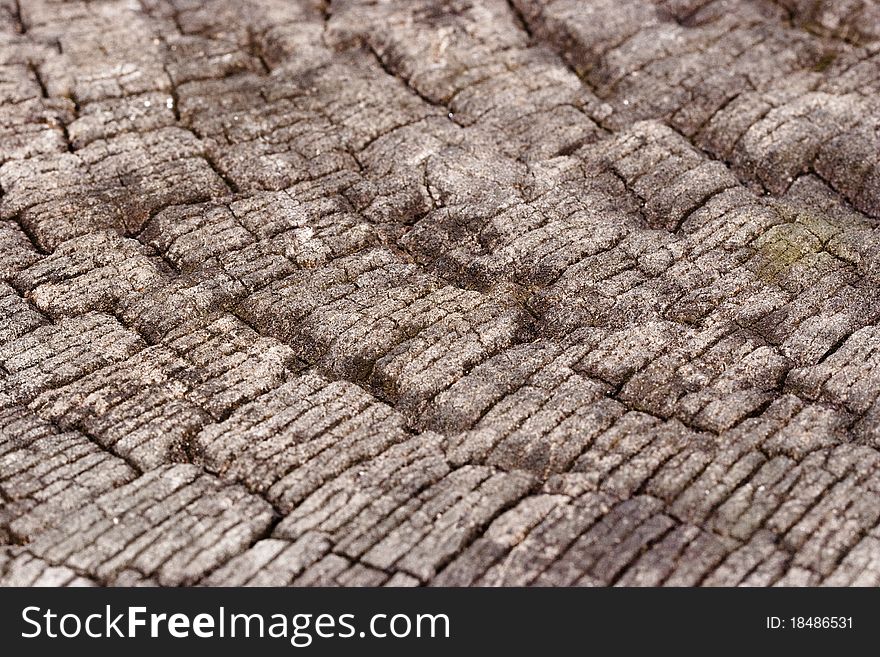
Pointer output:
440, 292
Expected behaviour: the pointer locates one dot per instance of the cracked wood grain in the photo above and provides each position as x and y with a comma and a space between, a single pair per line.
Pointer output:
438, 292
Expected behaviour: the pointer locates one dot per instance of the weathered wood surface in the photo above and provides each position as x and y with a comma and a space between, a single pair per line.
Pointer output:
440, 292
